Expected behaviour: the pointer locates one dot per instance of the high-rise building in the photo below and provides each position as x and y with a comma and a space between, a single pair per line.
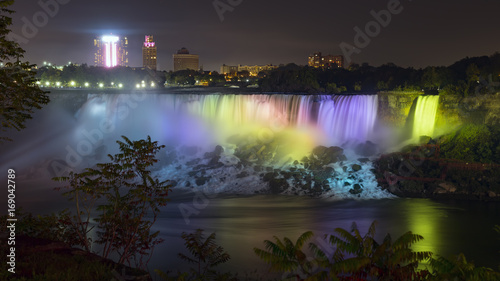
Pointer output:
111, 51
149, 53
326, 62
183, 60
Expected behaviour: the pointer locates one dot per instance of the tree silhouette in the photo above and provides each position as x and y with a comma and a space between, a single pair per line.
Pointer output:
20, 93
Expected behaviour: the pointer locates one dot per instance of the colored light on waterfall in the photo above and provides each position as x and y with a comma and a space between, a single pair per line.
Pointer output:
425, 116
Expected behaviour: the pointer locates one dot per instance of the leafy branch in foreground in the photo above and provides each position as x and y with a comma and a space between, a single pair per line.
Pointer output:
286, 256
132, 201
359, 256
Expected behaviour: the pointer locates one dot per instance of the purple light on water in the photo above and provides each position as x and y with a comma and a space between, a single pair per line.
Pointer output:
348, 118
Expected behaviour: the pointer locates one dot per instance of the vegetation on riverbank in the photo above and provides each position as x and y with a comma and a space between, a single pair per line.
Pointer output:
463, 164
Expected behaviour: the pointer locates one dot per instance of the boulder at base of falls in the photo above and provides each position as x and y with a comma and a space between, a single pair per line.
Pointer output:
322, 155
356, 189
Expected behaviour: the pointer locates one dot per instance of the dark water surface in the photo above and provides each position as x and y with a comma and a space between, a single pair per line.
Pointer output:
242, 223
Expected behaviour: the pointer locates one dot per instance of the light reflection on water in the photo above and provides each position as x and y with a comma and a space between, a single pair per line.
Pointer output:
242, 223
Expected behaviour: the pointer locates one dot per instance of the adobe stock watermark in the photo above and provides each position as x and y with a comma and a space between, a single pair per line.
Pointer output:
223, 6
49, 9
372, 29
92, 138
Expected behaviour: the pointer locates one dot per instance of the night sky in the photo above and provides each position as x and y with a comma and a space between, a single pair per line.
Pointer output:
425, 32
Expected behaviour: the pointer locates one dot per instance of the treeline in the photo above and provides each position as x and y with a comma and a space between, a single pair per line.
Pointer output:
465, 77
192, 77
91, 76
122, 77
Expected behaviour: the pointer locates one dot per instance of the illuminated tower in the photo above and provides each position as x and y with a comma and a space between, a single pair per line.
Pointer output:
149, 53
111, 51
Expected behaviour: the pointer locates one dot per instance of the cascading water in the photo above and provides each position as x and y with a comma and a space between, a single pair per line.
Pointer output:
425, 116
258, 133
348, 118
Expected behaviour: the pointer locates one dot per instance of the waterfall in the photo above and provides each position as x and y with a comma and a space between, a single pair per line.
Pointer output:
348, 118
327, 119
425, 116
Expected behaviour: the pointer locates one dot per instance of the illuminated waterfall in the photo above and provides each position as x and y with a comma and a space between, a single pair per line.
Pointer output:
348, 118
425, 116
325, 119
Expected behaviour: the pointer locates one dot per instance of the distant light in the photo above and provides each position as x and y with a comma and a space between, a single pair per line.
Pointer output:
86, 84
58, 84
69, 63
120, 85
144, 85
47, 83
50, 64
38, 82
138, 86
101, 85
152, 84
110, 38
72, 83
143, 82
44, 63
112, 83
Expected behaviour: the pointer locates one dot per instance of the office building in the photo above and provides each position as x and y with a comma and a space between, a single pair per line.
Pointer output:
183, 60
317, 60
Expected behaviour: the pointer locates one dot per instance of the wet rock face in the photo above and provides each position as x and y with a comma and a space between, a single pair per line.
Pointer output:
314, 175
324, 174
322, 155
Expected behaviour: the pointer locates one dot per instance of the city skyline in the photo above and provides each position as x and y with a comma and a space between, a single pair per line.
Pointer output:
414, 33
